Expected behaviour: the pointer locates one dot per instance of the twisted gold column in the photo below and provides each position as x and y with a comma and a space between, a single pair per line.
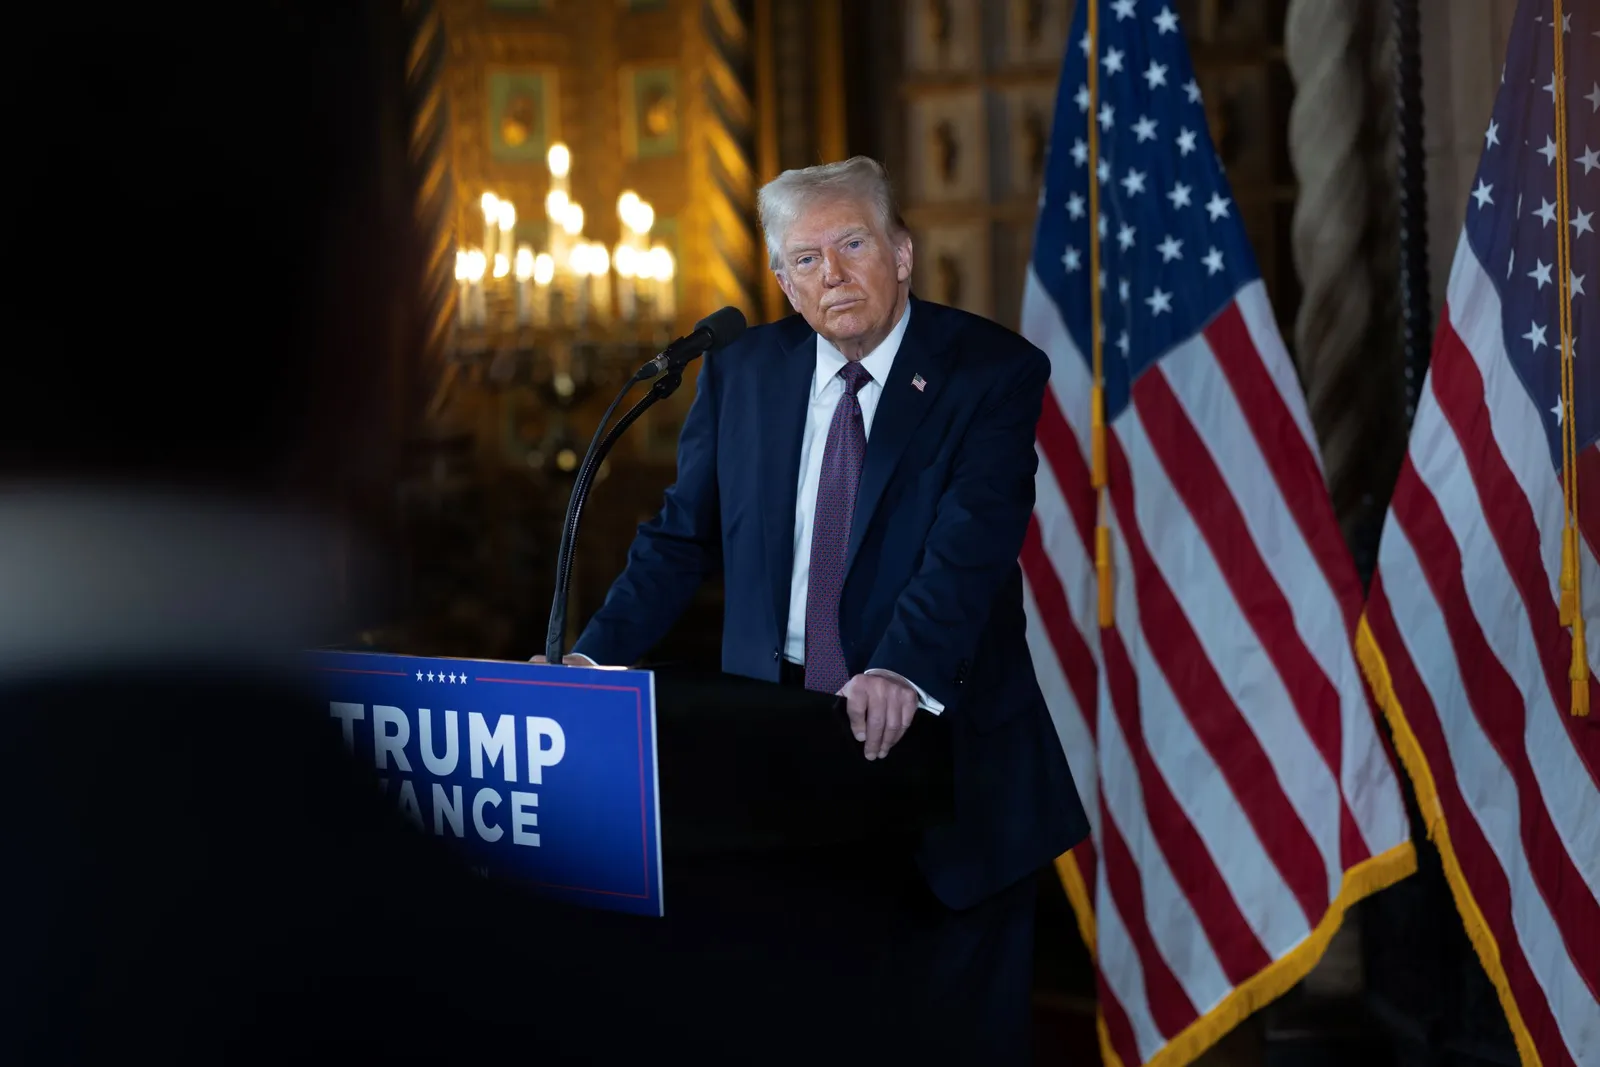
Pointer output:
730, 191
1341, 144
429, 148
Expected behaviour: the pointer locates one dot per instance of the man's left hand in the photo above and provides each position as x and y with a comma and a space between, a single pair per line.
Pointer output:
880, 710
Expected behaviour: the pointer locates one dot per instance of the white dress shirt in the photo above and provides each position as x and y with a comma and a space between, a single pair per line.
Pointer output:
826, 390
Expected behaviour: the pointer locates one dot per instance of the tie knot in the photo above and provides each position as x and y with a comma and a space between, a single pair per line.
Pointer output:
855, 376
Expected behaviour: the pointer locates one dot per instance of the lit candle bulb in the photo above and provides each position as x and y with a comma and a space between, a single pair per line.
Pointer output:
600, 273
476, 264
626, 259
663, 269
544, 271
522, 268
508, 223
580, 277
463, 288
491, 220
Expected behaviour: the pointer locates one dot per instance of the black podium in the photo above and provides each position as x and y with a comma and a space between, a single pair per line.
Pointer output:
751, 767
785, 855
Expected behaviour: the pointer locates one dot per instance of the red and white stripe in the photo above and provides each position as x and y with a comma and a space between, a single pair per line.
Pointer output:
1465, 610
1220, 731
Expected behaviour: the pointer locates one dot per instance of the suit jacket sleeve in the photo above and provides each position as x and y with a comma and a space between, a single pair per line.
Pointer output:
975, 539
672, 553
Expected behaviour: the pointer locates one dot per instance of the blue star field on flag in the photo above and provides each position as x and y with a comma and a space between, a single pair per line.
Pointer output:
1173, 250
1513, 214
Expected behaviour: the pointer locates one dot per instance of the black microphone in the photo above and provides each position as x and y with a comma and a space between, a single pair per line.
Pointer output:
716, 331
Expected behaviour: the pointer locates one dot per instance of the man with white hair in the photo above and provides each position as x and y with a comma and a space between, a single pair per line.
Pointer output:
862, 475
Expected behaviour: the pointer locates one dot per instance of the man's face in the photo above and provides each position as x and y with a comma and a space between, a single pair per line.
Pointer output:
844, 274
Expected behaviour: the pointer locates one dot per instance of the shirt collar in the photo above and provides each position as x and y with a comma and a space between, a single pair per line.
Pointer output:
830, 360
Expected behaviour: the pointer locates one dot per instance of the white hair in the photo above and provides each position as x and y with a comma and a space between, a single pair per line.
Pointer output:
782, 199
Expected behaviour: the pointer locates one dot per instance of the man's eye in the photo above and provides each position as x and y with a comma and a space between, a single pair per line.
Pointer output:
854, 244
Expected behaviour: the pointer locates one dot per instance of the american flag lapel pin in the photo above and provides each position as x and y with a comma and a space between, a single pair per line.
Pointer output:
918, 382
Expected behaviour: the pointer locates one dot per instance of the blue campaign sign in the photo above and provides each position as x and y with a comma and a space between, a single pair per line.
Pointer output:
545, 775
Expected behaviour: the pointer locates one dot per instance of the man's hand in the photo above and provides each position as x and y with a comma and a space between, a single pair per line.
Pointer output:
571, 659
880, 710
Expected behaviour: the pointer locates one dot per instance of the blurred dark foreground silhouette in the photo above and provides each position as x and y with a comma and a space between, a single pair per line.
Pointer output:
206, 380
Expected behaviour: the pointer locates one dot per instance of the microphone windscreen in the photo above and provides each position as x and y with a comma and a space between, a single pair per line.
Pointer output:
724, 325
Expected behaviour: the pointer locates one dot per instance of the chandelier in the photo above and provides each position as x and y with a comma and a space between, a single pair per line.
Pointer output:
545, 327
573, 284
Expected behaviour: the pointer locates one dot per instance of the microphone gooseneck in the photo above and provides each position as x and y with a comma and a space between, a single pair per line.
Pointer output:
712, 333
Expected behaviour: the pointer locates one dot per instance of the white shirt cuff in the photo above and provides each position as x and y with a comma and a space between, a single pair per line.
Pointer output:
924, 701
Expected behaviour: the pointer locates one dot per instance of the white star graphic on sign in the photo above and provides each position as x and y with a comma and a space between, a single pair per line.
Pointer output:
1170, 249
1122, 342
430, 676
1217, 206
1535, 336
1192, 89
1102, 281
1213, 261
1551, 88
1179, 195
1145, 129
1493, 136
1075, 206
1102, 226
1102, 171
1481, 193
1556, 411
1590, 160
1080, 152
1575, 284
1071, 259
1123, 9
1155, 74
1124, 290
1547, 211
419, 676
1159, 302
1540, 273
1125, 236
1113, 61
1566, 22
1108, 116
1081, 97
1548, 151
1133, 181
1580, 223
1086, 43
1185, 142
1166, 21
1594, 98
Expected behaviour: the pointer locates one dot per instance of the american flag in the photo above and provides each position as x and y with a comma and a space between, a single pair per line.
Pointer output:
1240, 796
1464, 639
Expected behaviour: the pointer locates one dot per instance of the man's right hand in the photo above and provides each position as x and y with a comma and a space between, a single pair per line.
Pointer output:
571, 659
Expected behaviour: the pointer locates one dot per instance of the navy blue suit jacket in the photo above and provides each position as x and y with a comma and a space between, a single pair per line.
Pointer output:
932, 591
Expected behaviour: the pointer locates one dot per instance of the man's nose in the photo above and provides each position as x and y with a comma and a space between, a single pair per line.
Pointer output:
832, 269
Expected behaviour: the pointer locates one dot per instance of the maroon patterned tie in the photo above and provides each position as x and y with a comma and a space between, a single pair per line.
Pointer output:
830, 535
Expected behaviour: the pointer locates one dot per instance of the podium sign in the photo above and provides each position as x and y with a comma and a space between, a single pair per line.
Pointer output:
544, 775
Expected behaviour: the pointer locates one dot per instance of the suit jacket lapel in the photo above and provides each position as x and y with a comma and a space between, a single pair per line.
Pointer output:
788, 376
900, 410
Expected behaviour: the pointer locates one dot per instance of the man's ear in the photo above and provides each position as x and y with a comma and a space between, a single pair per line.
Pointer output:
788, 290
902, 257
